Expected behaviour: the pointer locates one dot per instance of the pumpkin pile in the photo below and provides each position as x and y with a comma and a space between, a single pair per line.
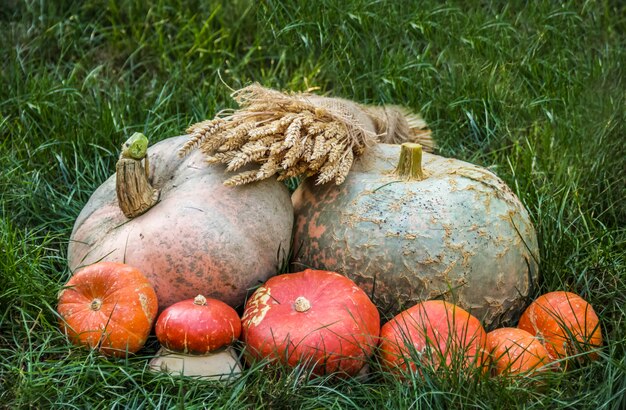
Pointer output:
442, 246
318, 319
436, 333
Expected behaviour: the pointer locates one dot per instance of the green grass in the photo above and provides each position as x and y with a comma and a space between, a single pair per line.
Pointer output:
535, 92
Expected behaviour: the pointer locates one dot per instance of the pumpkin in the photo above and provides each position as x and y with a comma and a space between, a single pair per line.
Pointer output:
433, 333
564, 322
316, 318
514, 351
409, 226
108, 306
185, 230
197, 326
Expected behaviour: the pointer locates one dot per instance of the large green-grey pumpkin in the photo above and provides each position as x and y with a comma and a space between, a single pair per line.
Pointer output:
406, 233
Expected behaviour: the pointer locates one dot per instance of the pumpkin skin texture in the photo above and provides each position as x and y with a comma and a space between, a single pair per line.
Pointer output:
108, 306
318, 318
438, 333
200, 237
197, 326
564, 322
515, 351
459, 234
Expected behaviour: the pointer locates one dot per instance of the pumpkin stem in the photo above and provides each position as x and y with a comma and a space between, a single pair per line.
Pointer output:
95, 305
135, 194
199, 300
302, 304
410, 162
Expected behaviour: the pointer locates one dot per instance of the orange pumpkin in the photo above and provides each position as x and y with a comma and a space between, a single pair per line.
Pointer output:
434, 332
565, 322
197, 326
315, 317
108, 306
514, 351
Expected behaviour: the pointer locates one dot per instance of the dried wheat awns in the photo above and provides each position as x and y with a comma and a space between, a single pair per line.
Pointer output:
298, 134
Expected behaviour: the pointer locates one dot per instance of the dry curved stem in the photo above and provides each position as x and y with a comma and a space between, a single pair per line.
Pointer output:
294, 134
135, 193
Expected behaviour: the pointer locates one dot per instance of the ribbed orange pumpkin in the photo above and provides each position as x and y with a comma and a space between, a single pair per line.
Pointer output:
435, 333
108, 306
197, 326
513, 351
318, 318
564, 322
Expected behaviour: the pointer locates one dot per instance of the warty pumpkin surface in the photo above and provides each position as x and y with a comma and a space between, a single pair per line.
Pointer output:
456, 232
200, 237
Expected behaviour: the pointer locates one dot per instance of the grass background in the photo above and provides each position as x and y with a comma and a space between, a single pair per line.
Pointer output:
533, 90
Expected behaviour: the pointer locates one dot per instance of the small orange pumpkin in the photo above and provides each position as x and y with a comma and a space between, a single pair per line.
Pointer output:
108, 306
438, 333
565, 322
514, 351
197, 326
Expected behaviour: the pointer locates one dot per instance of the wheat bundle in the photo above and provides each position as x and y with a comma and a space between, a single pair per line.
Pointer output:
298, 134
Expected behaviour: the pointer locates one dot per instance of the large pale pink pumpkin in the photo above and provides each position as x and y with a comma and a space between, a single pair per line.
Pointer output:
405, 234
200, 237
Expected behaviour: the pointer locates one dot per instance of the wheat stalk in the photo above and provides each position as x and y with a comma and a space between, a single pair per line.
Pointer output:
293, 134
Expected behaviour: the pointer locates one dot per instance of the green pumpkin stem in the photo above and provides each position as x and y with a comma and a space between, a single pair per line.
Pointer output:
135, 194
410, 162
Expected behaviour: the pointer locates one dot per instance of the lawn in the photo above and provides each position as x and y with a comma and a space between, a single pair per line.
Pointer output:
535, 91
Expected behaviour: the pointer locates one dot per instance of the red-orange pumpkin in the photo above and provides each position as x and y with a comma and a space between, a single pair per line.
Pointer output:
564, 322
200, 237
108, 306
197, 326
434, 332
513, 351
318, 318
